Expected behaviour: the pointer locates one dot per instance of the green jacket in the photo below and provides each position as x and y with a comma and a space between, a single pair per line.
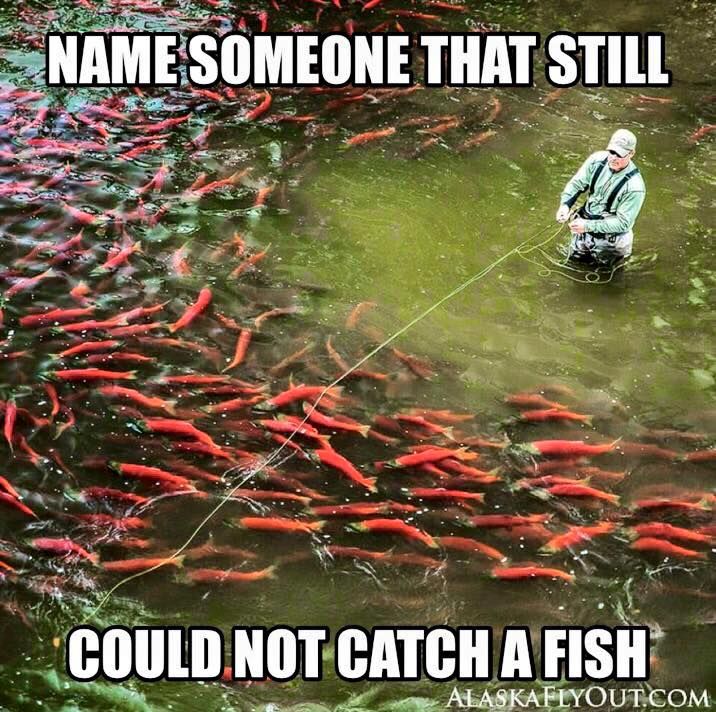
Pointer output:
625, 208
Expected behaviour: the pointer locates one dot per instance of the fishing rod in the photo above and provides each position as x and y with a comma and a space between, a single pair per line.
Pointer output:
519, 250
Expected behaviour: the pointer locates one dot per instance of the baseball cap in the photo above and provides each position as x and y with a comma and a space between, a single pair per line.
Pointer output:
622, 141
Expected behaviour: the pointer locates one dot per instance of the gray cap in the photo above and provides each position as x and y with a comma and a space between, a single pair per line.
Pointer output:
622, 141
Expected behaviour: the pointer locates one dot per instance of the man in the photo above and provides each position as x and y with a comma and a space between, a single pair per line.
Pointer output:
602, 231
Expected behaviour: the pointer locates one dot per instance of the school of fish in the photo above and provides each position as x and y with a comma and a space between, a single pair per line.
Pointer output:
132, 383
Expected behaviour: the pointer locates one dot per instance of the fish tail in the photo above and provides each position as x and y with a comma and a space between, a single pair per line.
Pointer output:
170, 407
184, 578
236, 177
363, 430
371, 482
94, 558
264, 406
448, 433
178, 561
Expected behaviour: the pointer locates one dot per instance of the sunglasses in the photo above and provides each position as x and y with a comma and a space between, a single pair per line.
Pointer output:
614, 153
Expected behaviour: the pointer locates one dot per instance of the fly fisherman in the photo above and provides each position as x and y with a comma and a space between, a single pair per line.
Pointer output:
602, 231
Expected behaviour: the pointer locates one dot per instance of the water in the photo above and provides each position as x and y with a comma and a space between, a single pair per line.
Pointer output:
400, 227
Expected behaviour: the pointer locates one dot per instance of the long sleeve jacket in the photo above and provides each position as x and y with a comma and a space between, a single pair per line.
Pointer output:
625, 208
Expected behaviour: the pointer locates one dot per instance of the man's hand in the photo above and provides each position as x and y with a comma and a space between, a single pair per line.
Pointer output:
578, 225
562, 214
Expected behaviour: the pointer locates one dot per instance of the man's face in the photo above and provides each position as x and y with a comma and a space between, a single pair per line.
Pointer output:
616, 162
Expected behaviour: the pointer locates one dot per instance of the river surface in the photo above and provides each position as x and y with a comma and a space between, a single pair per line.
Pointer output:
399, 224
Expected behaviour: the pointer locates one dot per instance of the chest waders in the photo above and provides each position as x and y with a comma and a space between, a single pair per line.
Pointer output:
584, 213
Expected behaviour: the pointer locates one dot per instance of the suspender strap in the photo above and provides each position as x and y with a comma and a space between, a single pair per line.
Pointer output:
596, 175
617, 188
593, 182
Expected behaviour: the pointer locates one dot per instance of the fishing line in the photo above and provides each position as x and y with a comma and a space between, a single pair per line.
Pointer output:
271, 458
589, 277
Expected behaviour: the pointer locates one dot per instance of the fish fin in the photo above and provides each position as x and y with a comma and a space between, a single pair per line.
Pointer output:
170, 407
270, 571
448, 433
94, 558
